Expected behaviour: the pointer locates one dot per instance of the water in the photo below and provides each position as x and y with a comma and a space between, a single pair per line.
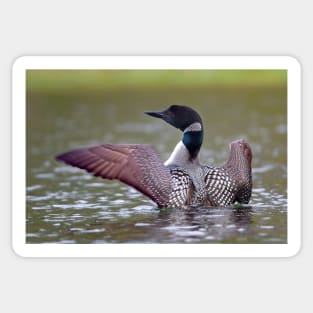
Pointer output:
67, 205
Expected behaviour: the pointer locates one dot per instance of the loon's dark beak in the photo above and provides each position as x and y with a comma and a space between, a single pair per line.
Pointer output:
156, 114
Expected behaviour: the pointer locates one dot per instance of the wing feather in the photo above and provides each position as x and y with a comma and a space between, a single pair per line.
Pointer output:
136, 165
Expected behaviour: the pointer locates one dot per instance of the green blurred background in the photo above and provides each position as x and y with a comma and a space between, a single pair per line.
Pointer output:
65, 81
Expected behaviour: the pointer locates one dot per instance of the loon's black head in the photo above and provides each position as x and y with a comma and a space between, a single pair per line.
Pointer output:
188, 121
179, 116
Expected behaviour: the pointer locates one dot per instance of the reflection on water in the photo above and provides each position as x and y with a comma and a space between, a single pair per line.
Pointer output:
67, 205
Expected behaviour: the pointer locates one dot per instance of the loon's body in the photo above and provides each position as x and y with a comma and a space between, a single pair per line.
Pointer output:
180, 182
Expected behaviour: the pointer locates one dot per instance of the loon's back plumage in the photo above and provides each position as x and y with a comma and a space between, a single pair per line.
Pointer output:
180, 182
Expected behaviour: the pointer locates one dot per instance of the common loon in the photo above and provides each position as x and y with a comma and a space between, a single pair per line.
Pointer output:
181, 182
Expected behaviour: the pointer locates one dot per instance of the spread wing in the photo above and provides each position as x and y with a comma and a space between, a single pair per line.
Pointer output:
136, 165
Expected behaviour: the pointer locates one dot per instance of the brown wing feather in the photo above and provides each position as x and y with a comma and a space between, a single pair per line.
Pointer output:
136, 165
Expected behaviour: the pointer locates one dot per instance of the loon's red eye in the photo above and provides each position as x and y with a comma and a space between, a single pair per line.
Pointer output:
170, 114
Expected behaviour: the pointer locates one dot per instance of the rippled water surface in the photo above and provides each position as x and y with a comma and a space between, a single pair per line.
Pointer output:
67, 205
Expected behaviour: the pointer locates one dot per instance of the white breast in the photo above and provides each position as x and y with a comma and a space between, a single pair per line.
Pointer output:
180, 156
